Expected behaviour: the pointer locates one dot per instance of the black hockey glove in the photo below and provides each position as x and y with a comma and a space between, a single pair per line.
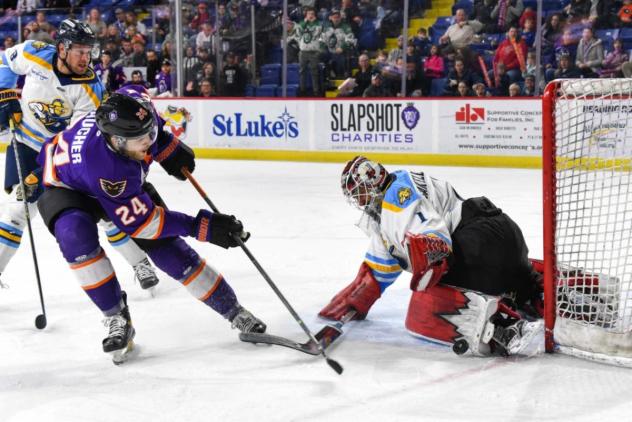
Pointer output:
9, 107
174, 156
219, 229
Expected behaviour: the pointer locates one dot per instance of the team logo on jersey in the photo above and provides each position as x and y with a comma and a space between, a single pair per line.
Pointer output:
113, 189
403, 195
55, 116
38, 45
410, 115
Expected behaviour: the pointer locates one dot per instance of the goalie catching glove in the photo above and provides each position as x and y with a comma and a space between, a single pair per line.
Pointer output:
428, 258
360, 295
220, 229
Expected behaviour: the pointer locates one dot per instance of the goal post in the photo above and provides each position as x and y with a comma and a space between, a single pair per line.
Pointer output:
587, 196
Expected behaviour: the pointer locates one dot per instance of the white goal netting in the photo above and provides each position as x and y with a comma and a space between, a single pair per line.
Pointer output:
592, 135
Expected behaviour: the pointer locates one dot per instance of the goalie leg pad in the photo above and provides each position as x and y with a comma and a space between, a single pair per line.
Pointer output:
446, 314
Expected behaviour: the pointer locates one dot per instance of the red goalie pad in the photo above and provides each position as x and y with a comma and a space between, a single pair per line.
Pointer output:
428, 312
360, 295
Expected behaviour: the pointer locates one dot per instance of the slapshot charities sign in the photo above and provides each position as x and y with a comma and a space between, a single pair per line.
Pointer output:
379, 125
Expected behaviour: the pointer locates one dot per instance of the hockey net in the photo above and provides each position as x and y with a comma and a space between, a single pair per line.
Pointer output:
587, 186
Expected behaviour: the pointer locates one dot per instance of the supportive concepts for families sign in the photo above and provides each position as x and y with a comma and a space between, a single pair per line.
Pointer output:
497, 127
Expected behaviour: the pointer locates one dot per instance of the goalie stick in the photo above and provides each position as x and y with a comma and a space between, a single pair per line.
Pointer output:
326, 337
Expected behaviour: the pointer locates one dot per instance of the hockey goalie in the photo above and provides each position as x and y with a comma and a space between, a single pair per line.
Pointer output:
473, 285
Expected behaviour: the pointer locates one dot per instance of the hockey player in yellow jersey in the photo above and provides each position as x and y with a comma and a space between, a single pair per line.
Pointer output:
473, 284
60, 88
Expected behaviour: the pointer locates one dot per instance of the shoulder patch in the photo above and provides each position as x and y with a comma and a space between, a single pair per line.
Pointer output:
38, 45
403, 195
113, 189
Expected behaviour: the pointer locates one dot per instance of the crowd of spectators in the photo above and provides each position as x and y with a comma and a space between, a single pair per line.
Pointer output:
486, 49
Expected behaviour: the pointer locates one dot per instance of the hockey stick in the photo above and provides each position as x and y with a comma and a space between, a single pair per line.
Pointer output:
332, 363
326, 337
40, 320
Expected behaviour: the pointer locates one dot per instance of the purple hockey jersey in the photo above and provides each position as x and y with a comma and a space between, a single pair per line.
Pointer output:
81, 159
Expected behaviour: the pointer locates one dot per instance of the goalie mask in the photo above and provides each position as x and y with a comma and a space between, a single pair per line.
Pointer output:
362, 181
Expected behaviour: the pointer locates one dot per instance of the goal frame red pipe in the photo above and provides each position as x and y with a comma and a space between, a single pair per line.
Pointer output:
549, 221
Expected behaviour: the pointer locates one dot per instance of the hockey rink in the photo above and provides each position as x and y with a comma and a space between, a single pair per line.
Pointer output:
191, 366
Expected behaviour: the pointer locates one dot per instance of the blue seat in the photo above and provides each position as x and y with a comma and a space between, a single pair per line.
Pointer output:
437, 86
605, 34
293, 74
291, 91
266, 90
625, 34
270, 74
466, 5
251, 91
443, 22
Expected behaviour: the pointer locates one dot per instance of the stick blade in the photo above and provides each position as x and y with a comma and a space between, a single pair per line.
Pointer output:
335, 366
40, 322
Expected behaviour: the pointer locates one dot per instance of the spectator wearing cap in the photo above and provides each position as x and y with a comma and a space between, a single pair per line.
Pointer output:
377, 87
614, 61
232, 77
153, 66
126, 54
512, 52
460, 33
111, 76
310, 42
589, 56
201, 16
507, 13
119, 22
163, 79
340, 43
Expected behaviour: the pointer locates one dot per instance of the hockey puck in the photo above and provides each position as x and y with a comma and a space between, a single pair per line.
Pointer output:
460, 347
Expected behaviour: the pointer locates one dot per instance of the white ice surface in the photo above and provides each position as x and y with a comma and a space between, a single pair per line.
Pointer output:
192, 367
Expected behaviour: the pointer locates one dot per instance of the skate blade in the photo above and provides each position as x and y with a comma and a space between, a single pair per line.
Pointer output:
121, 356
150, 292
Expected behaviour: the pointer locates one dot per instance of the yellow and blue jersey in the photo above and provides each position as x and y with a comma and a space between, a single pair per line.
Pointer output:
50, 101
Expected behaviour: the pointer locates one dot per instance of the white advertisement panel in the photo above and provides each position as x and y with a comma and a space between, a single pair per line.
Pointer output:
373, 126
490, 127
242, 123
469, 126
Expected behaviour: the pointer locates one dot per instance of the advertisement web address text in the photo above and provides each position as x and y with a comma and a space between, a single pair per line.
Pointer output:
501, 147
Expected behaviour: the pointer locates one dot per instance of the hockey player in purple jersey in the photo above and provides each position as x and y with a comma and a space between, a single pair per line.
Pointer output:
96, 170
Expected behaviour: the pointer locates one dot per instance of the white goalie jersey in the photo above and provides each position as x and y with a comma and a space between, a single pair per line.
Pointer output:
50, 101
413, 203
